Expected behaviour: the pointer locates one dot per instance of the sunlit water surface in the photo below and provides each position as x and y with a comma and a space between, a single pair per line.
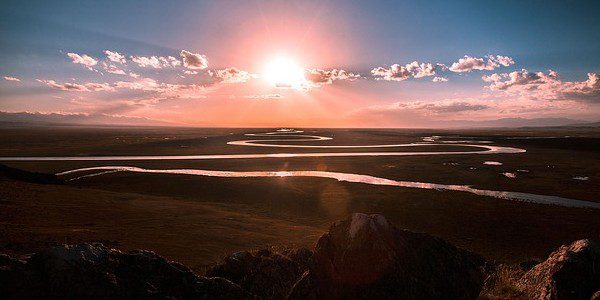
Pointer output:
296, 137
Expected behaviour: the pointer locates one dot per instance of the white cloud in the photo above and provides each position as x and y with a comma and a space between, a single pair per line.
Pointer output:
144, 84
232, 75
169, 61
164, 90
115, 57
145, 61
491, 62
10, 78
85, 87
397, 72
443, 107
548, 86
264, 97
84, 59
439, 79
110, 68
193, 60
156, 62
320, 77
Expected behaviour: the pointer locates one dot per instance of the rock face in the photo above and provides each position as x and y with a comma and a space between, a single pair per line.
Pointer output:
571, 272
362, 257
264, 273
365, 256
92, 271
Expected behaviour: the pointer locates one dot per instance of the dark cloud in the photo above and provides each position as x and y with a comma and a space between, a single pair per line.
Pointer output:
193, 60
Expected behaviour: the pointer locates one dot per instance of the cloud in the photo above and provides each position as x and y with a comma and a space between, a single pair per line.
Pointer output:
165, 90
264, 97
520, 80
491, 62
156, 62
397, 72
110, 68
86, 87
231, 75
10, 78
84, 59
439, 79
548, 86
443, 107
169, 61
421, 114
193, 60
144, 61
320, 77
190, 72
115, 57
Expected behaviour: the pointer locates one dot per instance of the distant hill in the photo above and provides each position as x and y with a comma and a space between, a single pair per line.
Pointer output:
33, 177
518, 122
594, 124
18, 118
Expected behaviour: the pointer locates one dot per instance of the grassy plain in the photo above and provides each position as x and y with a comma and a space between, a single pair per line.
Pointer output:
195, 220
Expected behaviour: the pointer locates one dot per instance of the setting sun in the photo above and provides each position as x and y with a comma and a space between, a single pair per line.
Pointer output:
284, 72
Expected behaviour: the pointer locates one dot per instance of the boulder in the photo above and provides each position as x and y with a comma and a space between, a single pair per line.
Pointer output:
93, 271
365, 256
570, 272
264, 273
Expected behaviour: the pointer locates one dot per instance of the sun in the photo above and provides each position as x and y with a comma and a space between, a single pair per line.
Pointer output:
285, 73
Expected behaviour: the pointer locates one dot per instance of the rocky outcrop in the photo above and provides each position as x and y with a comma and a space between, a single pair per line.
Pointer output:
264, 273
365, 256
361, 257
571, 272
93, 271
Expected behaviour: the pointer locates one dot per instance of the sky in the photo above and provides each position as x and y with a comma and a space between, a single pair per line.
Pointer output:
301, 63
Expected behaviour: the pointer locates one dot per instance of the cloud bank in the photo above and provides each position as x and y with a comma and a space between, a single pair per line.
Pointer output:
548, 86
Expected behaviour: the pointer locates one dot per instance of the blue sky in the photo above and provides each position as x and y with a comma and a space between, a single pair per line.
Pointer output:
354, 36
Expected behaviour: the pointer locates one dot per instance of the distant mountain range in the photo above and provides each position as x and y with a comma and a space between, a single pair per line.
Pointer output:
522, 122
28, 118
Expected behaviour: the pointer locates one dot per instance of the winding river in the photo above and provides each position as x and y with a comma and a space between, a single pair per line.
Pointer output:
297, 137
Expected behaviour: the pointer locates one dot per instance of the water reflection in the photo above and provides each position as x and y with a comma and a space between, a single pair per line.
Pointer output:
348, 177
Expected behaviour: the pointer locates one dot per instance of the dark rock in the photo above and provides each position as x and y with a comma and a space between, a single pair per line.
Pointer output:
92, 271
570, 272
528, 264
264, 273
365, 256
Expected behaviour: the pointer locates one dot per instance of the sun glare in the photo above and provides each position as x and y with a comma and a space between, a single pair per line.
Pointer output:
284, 72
